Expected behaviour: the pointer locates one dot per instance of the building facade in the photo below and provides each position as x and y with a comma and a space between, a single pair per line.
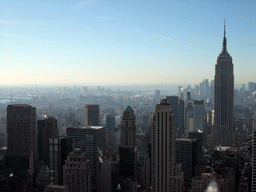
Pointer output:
224, 133
92, 115
21, 133
198, 115
59, 148
165, 174
91, 140
76, 172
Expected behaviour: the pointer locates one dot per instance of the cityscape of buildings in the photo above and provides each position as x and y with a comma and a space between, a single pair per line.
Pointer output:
185, 138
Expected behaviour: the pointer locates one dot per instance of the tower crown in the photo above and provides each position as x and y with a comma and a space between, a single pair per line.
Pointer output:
224, 51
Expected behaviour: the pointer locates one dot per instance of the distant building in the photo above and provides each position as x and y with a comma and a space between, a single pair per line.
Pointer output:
110, 122
181, 114
198, 115
145, 122
189, 115
92, 115
21, 133
76, 172
59, 148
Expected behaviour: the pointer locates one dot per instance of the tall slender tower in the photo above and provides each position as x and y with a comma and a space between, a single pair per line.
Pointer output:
128, 131
224, 98
166, 174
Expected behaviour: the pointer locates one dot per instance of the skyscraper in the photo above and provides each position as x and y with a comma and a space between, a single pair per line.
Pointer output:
166, 175
198, 115
59, 149
92, 115
21, 132
173, 101
91, 140
76, 172
110, 122
128, 131
50, 130
224, 133
128, 149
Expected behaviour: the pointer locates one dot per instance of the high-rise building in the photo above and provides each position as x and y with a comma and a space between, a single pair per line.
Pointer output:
224, 133
47, 127
76, 172
128, 149
166, 175
91, 140
59, 149
254, 156
173, 101
198, 115
128, 131
21, 132
186, 154
189, 115
181, 114
110, 122
92, 115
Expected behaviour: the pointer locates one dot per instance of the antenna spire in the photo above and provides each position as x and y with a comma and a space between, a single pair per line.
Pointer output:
224, 27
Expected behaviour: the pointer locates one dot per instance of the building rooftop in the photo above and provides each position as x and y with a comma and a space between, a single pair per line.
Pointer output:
128, 109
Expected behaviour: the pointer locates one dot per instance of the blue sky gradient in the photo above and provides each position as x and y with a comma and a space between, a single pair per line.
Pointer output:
91, 42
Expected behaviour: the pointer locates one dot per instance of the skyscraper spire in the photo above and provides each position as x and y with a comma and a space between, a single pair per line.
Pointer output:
224, 47
224, 28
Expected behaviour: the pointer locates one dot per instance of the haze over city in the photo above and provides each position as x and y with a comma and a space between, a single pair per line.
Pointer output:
67, 42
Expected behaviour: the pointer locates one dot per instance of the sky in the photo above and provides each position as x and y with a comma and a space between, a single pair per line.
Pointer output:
120, 42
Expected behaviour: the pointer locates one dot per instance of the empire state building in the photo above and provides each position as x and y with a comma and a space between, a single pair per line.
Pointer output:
224, 133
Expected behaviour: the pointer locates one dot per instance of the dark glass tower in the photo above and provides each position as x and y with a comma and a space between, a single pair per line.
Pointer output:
224, 98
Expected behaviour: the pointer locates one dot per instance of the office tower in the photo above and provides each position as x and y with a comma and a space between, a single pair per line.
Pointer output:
91, 140
181, 114
128, 131
76, 172
110, 122
198, 115
224, 133
206, 88
186, 154
199, 137
108, 172
21, 133
59, 148
49, 130
157, 95
173, 101
92, 115
165, 174
254, 156
189, 115
128, 149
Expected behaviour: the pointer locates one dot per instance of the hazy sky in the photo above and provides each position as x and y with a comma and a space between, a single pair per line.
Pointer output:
98, 42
